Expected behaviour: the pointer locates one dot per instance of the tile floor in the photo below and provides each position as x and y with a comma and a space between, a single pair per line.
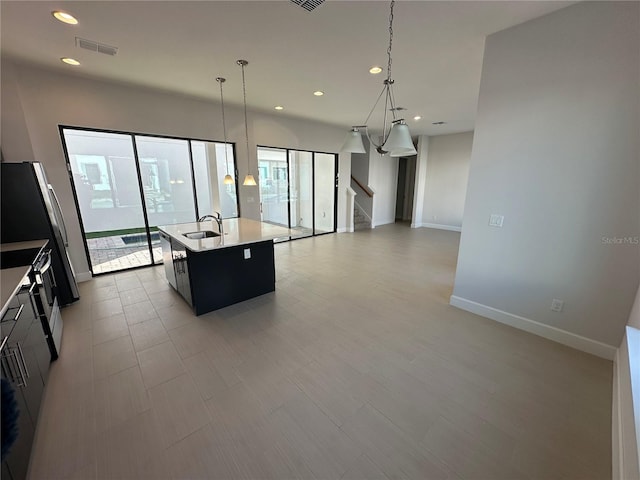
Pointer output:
356, 367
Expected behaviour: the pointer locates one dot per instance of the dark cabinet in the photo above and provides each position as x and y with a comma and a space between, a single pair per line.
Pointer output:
25, 361
216, 278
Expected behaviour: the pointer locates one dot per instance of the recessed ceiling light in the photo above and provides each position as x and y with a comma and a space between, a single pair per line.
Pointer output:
279, 107
417, 117
439, 123
65, 17
375, 70
318, 93
70, 61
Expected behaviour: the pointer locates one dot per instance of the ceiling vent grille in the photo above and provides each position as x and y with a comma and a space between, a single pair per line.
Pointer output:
95, 46
308, 5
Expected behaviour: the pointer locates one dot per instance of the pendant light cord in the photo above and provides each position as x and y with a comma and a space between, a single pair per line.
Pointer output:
246, 125
389, 101
390, 41
221, 80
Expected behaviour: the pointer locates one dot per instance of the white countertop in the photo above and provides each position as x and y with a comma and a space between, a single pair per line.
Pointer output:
10, 247
10, 281
237, 231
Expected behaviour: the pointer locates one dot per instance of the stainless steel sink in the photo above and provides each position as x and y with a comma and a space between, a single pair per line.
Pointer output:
201, 234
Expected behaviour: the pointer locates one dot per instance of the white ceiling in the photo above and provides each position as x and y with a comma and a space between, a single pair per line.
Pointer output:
182, 46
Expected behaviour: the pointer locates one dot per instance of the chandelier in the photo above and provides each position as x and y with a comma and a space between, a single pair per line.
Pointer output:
396, 138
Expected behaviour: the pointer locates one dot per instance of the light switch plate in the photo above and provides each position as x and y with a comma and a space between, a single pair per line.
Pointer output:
496, 220
557, 305
247, 253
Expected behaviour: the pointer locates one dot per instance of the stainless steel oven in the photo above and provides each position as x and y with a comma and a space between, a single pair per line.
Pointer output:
45, 296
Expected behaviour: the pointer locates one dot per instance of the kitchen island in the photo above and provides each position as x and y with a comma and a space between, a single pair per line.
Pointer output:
211, 271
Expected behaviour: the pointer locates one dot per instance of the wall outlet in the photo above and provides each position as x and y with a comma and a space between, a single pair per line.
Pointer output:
557, 305
247, 253
496, 220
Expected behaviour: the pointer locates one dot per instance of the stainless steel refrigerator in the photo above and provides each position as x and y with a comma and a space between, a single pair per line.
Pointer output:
30, 211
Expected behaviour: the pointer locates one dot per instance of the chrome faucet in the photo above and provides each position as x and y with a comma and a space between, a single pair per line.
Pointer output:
217, 218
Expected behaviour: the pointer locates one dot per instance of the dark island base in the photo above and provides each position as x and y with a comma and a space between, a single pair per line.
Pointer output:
221, 277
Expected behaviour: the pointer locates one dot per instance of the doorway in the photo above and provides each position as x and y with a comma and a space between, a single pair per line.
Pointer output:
405, 190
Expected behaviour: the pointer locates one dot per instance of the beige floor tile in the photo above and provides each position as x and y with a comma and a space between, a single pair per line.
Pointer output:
125, 450
389, 448
192, 338
204, 370
139, 312
147, 334
113, 357
364, 468
178, 409
119, 398
106, 308
133, 295
155, 286
176, 315
466, 455
164, 299
104, 293
125, 283
109, 328
159, 364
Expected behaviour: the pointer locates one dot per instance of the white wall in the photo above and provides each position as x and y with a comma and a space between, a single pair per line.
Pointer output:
420, 181
16, 142
556, 151
49, 98
446, 181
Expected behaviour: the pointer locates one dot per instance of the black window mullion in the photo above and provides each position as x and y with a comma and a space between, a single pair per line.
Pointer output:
336, 175
193, 179
288, 186
235, 175
313, 193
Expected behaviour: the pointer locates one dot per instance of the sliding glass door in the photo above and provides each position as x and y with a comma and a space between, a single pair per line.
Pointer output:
301, 193
324, 187
273, 182
126, 185
298, 190
105, 178
167, 184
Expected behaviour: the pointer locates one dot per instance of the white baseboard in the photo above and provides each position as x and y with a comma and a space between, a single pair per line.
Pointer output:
441, 227
552, 333
342, 230
416, 225
83, 277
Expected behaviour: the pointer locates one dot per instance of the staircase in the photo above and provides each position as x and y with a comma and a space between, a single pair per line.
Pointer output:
360, 221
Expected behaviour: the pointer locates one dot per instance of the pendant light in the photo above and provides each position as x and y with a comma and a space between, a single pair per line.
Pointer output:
228, 179
248, 180
396, 138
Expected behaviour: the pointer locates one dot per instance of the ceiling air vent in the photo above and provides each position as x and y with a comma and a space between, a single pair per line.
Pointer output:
95, 46
308, 5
